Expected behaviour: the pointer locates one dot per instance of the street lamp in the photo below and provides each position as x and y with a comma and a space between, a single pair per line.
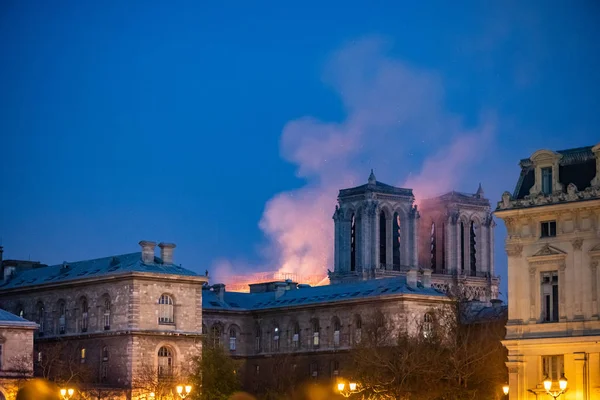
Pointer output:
346, 392
505, 389
183, 391
66, 393
562, 384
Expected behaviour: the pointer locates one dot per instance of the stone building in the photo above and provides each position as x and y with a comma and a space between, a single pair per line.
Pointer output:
553, 247
16, 352
389, 259
116, 321
379, 232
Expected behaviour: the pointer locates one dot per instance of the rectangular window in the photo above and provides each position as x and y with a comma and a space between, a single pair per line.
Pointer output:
547, 180
550, 296
553, 367
316, 339
232, 343
82, 356
295, 340
335, 368
548, 228
104, 372
336, 338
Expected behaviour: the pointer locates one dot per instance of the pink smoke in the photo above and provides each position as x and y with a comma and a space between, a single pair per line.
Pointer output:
395, 120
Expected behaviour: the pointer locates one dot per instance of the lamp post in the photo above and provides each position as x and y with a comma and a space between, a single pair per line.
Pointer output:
562, 384
347, 392
505, 389
66, 394
183, 390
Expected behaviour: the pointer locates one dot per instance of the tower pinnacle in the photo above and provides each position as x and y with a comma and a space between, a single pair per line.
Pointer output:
479, 193
372, 179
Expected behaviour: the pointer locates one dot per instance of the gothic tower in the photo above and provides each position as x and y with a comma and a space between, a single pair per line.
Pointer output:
375, 232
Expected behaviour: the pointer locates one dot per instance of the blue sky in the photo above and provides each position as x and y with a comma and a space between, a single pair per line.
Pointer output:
227, 127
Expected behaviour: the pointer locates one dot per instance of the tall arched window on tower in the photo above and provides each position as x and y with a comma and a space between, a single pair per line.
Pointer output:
84, 314
165, 309
462, 246
432, 247
472, 250
353, 243
232, 339
165, 362
62, 317
382, 239
41, 317
396, 242
106, 315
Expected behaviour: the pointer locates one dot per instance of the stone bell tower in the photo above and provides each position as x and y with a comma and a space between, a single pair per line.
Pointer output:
375, 232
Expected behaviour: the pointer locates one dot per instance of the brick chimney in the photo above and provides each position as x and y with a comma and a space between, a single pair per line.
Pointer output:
166, 252
147, 251
426, 278
411, 278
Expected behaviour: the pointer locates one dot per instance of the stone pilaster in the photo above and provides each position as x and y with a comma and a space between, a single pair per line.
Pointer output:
337, 241
450, 232
562, 292
458, 246
594, 278
389, 239
578, 272
533, 283
581, 386
492, 226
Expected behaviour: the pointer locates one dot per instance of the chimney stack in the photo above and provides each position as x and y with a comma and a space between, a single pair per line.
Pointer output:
411, 278
166, 252
427, 278
219, 289
147, 251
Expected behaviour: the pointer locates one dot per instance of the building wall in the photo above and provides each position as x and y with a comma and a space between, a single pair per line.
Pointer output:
572, 255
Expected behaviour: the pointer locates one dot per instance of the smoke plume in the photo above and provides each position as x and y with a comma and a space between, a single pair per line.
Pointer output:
395, 123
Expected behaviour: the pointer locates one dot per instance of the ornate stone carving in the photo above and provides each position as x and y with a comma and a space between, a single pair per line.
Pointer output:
548, 250
571, 192
514, 250
532, 270
577, 243
506, 200
536, 199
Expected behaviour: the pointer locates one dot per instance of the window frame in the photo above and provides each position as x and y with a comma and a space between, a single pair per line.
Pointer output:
166, 309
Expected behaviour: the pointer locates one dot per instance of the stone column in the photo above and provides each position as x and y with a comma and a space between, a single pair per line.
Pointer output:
482, 262
414, 249
514, 256
578, 278
337, 227
580, 388
562, 292
389, 240
450, 232
533, 283
458, 246
594, 277
467, 247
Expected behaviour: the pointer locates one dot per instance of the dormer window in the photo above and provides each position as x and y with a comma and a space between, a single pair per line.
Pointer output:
547, 180
548, 229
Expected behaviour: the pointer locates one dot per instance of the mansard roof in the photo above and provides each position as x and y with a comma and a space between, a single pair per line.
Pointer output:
9, 319
577, 166
235, 301
100, 267
377, 187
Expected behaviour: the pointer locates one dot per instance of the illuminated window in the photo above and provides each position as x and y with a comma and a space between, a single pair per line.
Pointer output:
275, 344
165, 312
315, 326
82, 355
553, 366
296, 336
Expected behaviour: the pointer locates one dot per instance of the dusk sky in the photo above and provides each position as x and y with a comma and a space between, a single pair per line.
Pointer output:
228, 128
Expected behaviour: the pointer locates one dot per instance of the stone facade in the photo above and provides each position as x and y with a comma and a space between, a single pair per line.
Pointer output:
553, 248
16, 353
380, 232
113, 315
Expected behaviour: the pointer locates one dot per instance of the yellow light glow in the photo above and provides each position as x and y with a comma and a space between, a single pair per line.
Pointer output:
152, 395
562, 382
63, 392
70, 391
341, 386
188, 388
547, 384
505, 389
179, 389
352, 386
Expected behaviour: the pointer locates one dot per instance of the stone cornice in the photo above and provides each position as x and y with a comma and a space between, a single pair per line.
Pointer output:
556, 198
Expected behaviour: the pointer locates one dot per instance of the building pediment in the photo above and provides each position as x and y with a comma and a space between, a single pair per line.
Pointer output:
547, 254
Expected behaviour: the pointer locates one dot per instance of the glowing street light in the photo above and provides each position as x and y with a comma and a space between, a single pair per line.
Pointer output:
342, 388
505, 389
66, 393
183, 391
562, 384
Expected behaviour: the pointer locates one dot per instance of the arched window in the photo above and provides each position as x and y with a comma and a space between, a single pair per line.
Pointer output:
165, 309
165, 362
257, 339
296, 336
336, 331
232, 339
84, 315
315, 329
396, 242
427, 325
353, 243
275, 342
41, 316
382, 239
462, 246
357, 329
104, 365
433, 246
473, 251
216, 332
62, 317
20, 312
106, 314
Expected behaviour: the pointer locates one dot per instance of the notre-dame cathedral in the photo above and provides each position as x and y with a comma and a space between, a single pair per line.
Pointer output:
380, 232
